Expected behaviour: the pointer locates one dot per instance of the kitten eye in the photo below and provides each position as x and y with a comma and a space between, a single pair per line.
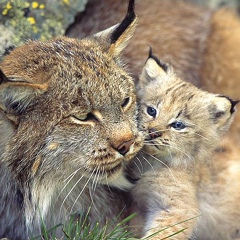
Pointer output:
152, 111
178, 125
126, 103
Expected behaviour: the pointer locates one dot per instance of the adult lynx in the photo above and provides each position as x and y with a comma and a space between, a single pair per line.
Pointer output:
68, 111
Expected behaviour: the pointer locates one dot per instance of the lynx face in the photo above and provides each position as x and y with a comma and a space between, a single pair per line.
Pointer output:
74, 110
183, 122
82, 115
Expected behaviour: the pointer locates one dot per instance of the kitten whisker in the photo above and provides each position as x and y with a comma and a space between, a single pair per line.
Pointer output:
180, 150
161, 163
203, 137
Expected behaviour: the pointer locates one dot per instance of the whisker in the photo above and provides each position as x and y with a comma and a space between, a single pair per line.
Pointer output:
73, 173
89, 178
161, 163
96, 179
70, 177
71, 191
180, 150
93, 188
138, 166
203, 137
150, 165
109, 188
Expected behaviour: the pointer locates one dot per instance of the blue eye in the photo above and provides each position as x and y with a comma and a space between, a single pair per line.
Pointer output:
151, 111
178, 125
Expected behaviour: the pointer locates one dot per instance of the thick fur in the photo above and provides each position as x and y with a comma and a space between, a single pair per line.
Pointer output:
180, 188
68, 128
202, 48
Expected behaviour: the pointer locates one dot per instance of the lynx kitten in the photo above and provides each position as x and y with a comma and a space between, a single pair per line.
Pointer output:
181, 189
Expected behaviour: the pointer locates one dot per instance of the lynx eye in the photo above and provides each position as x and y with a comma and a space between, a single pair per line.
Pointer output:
126, 103
178, 125
152, 111
85, 117
81, 117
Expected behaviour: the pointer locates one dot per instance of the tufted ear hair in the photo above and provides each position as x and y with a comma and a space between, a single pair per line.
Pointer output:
115, 39
16, 94
221, 111
154, 69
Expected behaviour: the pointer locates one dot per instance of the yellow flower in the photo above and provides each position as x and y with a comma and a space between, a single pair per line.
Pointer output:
5, 12
66, 2
35, 5
42, 6
8, 6
31, 20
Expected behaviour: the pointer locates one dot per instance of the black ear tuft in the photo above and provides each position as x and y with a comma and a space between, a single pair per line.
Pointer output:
128, 20
233, 103
164, 66
3, 77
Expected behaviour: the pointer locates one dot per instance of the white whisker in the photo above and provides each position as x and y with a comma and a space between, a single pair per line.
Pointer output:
71, 191
138, 166
150, 165
69, 178
161, 163
89, 178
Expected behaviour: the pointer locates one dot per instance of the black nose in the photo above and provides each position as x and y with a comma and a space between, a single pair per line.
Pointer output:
124, 147
154, 133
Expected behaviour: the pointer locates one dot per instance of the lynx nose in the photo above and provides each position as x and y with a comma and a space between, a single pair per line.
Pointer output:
124, 147
154, 133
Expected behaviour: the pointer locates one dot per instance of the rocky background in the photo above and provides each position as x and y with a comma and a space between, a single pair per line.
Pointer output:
21, 20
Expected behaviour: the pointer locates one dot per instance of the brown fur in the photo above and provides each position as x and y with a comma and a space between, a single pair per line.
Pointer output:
68, 129
202, 47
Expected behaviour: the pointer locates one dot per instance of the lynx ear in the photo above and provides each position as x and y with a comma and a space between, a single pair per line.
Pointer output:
154, 69
115, 39
16, 94
221, 112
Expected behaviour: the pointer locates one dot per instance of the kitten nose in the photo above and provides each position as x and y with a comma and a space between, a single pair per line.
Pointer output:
124, 147
154, 133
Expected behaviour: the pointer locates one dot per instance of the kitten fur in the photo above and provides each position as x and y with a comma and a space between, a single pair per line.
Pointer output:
68, 128
202, 48
180, 188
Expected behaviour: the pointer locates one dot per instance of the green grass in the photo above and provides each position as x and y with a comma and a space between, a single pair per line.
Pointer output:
81, 229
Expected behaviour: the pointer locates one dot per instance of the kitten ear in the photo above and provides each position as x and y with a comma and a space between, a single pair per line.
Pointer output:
16, 94
115, 38
221, 111
154, 69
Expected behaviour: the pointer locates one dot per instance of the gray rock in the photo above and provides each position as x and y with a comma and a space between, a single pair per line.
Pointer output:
21, 20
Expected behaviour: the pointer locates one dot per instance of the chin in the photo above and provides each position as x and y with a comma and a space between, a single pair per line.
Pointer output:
118, 180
